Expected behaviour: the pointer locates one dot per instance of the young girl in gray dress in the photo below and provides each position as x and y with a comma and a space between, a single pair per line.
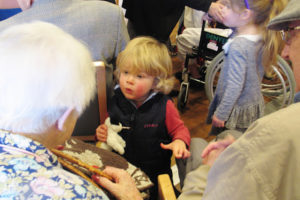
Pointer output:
248, 55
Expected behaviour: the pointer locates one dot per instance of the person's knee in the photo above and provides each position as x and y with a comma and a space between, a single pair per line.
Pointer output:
196, 147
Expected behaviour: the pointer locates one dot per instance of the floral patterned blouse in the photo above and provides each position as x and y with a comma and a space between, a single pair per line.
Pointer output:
28, 170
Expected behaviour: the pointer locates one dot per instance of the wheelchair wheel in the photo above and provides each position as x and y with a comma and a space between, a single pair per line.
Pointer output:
278, 89
212, 75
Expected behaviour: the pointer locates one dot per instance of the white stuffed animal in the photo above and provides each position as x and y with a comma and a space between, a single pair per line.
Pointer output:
114, 141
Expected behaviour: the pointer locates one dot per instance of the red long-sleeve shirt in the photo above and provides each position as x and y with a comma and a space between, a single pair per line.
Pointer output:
175, 126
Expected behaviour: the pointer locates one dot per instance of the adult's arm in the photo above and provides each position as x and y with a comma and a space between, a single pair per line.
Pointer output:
6, 4
123, 36
202, 5
214, 9
195, 183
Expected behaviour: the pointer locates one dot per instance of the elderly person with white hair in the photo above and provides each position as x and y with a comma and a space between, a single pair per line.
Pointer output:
47, 78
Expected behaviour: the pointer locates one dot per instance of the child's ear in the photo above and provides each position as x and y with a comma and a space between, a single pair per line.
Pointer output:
246, 15
155, 82
61, 122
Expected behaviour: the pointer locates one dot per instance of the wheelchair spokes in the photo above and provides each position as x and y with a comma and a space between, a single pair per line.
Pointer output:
277, 89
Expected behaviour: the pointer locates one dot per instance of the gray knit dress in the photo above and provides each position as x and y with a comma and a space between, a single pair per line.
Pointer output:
238, 99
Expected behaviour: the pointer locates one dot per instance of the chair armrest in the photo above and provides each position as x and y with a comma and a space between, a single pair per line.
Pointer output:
165, 188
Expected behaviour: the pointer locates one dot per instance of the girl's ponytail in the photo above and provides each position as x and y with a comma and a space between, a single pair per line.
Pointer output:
265, 10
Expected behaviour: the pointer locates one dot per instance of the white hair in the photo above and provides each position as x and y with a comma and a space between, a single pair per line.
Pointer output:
43, 72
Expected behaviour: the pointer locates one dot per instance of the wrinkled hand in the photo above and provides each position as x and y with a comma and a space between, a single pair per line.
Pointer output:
122, 187
178, 147
101, 133
214, 149
217, 122
215, 11
212, 157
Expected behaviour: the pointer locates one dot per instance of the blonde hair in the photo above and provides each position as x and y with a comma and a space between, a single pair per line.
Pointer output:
146, 54
43, 72
264, 11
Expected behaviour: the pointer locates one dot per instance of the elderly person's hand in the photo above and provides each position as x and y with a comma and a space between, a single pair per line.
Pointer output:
123, 187
214, 149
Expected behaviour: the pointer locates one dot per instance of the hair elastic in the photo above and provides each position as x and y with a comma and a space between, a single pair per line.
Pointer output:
247, 4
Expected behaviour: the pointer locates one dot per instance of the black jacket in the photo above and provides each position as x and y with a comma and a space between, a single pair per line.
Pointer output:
147, 131
157, 18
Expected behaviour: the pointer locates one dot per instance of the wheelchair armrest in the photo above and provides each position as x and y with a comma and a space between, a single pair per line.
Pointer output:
165, 188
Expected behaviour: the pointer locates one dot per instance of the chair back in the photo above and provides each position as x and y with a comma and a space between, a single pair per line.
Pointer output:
96, 113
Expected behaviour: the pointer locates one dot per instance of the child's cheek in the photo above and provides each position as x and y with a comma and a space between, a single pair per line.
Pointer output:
139, 89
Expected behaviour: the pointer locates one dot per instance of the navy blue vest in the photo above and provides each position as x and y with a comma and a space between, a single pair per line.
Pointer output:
147, 131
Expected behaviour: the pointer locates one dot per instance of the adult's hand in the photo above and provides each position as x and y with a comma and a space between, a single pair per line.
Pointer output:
214, 149
212, 156
122, 187
215, 11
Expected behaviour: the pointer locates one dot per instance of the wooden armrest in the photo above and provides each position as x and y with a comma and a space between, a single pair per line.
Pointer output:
165, 188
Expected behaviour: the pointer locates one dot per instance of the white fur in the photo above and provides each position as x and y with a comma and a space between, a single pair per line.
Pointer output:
114, 141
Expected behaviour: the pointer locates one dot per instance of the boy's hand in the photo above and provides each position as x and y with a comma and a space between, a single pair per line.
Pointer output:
101, 133
178, 147
217, 122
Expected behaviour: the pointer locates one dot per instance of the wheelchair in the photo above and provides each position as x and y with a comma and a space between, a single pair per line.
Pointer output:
210, 45
278, 90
